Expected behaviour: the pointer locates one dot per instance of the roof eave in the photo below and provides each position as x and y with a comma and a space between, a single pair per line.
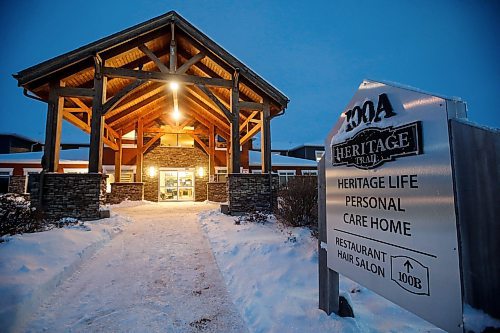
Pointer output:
65, 60
48, 67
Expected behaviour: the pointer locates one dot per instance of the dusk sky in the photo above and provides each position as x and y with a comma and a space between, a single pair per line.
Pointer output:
316, 52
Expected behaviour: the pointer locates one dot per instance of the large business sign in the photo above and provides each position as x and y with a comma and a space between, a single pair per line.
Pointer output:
390, 200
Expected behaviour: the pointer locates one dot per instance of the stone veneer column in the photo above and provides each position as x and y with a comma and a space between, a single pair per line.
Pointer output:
76, 195
251, 192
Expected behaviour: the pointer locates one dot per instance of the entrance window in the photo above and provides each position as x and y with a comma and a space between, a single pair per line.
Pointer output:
176, 185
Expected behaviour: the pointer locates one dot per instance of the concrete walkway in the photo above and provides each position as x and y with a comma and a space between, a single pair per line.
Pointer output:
159, 275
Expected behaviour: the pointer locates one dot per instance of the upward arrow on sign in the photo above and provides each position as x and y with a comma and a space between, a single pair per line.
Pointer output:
408, 265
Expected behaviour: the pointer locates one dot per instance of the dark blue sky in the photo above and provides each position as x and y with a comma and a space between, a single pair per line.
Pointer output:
316, 52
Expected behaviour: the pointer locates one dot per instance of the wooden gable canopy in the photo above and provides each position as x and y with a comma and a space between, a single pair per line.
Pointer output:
121, 83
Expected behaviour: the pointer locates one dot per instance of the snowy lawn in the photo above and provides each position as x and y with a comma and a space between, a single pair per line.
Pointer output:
33, 265
162, 279
272, 278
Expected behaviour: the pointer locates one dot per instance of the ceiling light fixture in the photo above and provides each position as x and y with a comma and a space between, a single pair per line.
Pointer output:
174, 86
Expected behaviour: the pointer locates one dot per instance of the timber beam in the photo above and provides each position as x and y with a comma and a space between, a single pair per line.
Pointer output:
250, 117
74, 92
250, 134
161, 66
118, 97
201, 143
217, 102
251, 106
165, 77
193, 60
151, 142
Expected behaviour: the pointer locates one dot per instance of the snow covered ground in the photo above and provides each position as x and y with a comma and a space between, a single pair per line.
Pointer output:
159, 275
33, 265
272, 277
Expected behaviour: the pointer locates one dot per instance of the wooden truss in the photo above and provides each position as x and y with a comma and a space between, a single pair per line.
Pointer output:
125, 88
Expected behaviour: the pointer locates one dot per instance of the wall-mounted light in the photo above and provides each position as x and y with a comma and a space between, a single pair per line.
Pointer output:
201, 172
152, 171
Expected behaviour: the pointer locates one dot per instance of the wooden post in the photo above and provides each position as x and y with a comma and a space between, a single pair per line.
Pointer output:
328, 279
265, 144
53, 128
235, 123
211, 150
118, 160
173, 49
97, 120
140, 138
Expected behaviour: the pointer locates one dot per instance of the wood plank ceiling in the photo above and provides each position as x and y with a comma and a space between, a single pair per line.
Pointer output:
153, 102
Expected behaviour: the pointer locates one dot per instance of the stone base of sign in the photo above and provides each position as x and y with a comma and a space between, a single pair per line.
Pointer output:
125, 191
68, 195
17, 184
217, 192
252, 192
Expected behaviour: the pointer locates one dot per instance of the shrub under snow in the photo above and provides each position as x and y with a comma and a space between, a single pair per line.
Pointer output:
17, 217
298, 203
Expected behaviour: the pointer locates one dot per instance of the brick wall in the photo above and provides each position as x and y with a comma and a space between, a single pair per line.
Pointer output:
69, 194
174, 157
217, 192
251, 192
125, 191
17, 184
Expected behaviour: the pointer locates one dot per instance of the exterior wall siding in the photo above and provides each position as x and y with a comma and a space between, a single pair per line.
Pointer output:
174, 157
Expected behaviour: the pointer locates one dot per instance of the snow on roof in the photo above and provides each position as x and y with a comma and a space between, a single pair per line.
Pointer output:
79, 156
280, 160
407, 87
317, 144
22, 137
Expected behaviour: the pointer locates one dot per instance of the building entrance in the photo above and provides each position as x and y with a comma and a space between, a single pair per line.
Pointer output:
176, 185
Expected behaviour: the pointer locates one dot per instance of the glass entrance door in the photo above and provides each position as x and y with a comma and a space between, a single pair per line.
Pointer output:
176, 185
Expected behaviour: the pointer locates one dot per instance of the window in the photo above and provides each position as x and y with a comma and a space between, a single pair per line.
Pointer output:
127, 175
258, 171
319, 154
27, 172
220, 143
175, 139
75, 170
5, 174
220, 174
309, 172
284, 176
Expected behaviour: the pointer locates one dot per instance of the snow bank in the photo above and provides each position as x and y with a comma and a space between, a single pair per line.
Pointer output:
272, 278
33, 265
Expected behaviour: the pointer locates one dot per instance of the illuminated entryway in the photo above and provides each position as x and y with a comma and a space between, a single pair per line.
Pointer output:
176, 184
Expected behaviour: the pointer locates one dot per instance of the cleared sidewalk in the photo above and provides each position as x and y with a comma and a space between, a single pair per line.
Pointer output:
159, 275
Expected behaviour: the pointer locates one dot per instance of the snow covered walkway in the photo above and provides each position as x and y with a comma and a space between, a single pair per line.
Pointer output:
159, 275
